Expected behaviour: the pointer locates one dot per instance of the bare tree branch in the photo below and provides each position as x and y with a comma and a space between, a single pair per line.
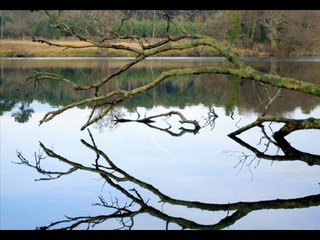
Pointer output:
181, 41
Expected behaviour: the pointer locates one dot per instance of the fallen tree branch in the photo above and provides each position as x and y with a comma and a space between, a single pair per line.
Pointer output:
181, 41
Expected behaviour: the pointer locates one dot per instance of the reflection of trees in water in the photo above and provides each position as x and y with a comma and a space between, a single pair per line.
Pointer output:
220, 91
138, 204
6, 105
23, 114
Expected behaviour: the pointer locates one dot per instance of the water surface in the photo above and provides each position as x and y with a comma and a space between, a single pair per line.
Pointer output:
205, 166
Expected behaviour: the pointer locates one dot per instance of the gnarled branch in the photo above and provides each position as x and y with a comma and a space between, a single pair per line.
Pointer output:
239, 68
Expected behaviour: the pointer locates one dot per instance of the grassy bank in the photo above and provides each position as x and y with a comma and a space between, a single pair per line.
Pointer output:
27, 48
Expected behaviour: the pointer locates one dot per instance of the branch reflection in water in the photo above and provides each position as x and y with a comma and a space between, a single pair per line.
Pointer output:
287, 153
149, 120
137, 204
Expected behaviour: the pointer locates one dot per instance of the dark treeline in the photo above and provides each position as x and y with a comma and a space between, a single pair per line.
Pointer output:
279, 32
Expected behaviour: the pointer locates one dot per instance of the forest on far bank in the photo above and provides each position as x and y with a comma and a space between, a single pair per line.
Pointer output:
281, 32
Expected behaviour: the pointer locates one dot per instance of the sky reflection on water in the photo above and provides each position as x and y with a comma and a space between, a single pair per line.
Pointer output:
206, 167
196, 167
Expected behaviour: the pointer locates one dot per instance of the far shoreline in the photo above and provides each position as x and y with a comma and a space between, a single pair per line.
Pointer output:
10, 48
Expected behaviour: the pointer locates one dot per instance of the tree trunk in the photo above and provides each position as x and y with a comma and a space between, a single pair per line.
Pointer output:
273, 42
2, 16
252, 32
154, 25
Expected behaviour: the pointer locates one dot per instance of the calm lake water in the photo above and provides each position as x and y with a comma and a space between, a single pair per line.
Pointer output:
191, 167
